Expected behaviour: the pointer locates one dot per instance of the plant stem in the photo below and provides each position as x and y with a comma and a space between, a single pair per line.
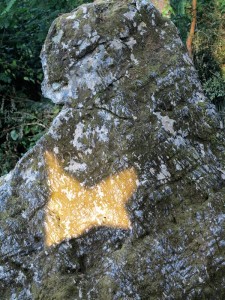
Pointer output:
192, 28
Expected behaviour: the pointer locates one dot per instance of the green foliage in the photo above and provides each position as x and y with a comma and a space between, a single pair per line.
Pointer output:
181, 16
23, 27
168, 10
209, 49
22, 128
8, 7
215, 88
209, 43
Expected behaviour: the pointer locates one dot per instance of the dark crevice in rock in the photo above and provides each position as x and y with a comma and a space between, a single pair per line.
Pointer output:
34, 211
89, 50
113, 113
25, 252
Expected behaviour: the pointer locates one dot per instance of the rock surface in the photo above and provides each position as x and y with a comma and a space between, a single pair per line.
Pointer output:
134, 116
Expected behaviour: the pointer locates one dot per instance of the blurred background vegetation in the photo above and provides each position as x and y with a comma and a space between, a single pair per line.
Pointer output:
25, 114
208, 43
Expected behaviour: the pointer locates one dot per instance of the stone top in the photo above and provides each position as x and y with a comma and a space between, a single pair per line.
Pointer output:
100, 49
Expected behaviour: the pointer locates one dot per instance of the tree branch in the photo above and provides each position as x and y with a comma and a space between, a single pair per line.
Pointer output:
192, 28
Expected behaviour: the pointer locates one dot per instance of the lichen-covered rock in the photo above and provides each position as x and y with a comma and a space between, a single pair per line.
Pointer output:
124, 196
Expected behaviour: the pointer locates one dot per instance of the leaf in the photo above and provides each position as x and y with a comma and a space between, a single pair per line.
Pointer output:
26, 130
8, 7
14, 135
56, 110
14, 63
5, 78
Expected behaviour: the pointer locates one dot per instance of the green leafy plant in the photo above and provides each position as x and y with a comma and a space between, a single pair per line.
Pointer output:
214, 88
167, 10
24, 114
22, 129
208, 43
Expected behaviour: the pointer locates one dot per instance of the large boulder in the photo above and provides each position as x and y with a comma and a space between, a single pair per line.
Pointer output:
123, 197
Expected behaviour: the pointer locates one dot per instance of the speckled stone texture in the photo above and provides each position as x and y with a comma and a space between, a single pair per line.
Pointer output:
131, 99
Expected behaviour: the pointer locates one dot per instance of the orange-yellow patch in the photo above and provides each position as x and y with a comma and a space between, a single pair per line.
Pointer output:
73, 209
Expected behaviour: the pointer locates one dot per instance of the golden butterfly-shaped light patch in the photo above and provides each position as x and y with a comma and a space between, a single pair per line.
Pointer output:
73, 209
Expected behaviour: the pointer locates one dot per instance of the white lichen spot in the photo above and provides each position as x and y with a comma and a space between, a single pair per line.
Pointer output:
97, 101
116, 44
127, 74
153, 102
29, 175
84, 9
130, 15
56, 150
8, 176
24, 214
85, 12
199, 98
65, 46
142, 3
178, 167
222, 173
179, 141
88, 151
76, 25
87, 30
153, 19
200, 280
168, 47
178, 41
131, 42
162, 34
164, 173
84, 45
57, 38
20, 278
75, 166
167, 123
13, 297
124, 33
152, 171
142, 28
187, 59
103, 133
92, 72
56, 86
78, 134
80, 294
105, 115
132, 57
95, 38
72, 17
202, 149
53, 131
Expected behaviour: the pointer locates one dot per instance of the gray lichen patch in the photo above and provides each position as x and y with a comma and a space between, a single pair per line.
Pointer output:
89, 55
132, 102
